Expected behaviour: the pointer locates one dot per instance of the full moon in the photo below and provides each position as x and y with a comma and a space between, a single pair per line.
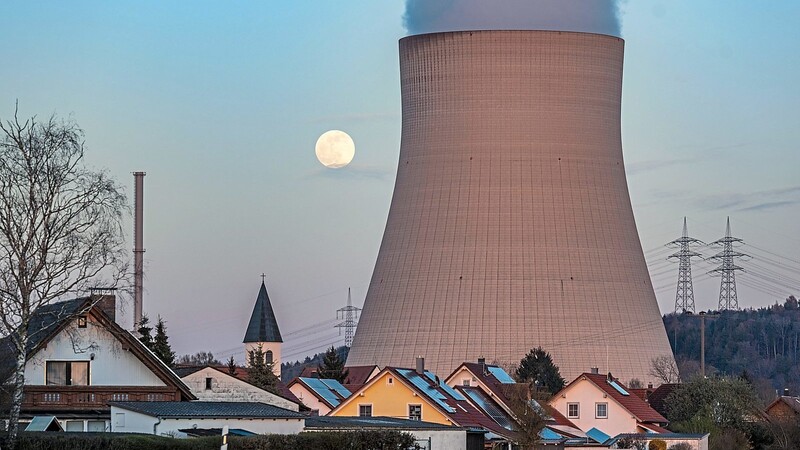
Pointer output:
335, 149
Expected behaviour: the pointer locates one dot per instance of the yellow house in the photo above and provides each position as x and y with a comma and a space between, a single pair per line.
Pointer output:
416, 395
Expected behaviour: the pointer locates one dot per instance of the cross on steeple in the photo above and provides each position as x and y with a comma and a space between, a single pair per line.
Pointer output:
263, 278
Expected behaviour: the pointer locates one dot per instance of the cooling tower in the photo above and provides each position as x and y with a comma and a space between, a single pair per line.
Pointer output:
510, 225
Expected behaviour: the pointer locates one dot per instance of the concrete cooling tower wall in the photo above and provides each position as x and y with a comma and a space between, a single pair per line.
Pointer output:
511, 226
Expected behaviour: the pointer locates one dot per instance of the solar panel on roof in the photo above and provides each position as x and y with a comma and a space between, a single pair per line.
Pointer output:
597, 435
445, 387
619, 388
489, 408
322, 390
549, 434
501, 375
336, 386
426, 388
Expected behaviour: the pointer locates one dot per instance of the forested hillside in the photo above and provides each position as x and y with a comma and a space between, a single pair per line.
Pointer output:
764, 344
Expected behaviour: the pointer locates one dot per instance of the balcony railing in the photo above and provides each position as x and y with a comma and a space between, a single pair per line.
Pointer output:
82, 397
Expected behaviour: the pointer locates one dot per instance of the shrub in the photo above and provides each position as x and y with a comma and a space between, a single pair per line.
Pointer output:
111, 441
326, 440
681, 446
657, 444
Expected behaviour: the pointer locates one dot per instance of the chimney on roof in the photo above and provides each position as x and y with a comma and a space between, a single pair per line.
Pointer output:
610, 377
785, 392
595, 370
649, 385
420, 365
482, 363
105, 300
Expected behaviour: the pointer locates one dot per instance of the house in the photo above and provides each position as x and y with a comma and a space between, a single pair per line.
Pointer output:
79, 359
657, 399
263, 332
417, 394
356, 377
784, 408
602, 407
168, 418
217, 384
320, 395
487, 387
426, 434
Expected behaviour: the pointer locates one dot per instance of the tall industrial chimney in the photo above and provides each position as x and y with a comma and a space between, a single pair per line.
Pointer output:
511, 226
138, 247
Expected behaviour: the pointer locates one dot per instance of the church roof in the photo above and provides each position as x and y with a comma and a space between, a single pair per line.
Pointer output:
263, 327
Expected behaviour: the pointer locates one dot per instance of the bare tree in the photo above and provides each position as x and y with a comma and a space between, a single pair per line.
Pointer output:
60, 229
664, 368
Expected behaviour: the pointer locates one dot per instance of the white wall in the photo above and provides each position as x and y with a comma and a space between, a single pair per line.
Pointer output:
586, 394
226, 388
442, 440
140, 423
112, 366
309, 399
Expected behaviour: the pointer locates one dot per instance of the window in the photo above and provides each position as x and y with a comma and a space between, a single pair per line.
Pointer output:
96, 426
268, 357
415, 412
67, 373
390, 381
601, 410
209, 380
465, 382
573, 410
364, 410
74, 425
81, 321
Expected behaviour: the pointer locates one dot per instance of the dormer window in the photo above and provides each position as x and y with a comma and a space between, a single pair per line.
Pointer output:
81, 321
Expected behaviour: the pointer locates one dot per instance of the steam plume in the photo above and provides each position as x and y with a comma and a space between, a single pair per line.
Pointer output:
591, 16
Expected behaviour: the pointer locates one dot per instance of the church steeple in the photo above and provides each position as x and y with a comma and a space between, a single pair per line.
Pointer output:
263, 331
263, 326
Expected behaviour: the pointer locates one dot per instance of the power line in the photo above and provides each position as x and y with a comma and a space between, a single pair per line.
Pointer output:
728, 299
684, 295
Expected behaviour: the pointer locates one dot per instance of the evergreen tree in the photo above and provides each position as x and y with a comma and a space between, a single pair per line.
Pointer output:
260, 373
145, 332
231, 366
537, 368
332, 366
161, 345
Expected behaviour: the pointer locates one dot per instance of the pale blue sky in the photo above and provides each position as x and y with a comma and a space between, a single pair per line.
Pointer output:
221, 103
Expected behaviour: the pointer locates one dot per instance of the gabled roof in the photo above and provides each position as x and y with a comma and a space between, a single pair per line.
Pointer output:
49, 320
209, 409
791, 402
328, 391
45, 322
658, 398
240, 373
491, 376
263, 326
614, 389
439, 396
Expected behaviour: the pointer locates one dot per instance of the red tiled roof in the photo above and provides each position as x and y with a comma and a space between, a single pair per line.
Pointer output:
358, 375
635, 405
642, 393
657, 399
651, 427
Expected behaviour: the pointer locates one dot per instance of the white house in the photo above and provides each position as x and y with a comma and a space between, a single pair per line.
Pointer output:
215, 384
168, 418
79, 359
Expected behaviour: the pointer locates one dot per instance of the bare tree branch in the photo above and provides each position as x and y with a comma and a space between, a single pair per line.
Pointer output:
60, 228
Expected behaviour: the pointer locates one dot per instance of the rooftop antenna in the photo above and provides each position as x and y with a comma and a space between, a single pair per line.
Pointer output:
684, 297
350, 315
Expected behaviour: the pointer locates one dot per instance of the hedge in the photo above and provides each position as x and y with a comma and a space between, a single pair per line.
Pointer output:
355, 440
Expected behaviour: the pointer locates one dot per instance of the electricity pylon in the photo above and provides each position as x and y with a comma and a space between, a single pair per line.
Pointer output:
727, 269
684, 297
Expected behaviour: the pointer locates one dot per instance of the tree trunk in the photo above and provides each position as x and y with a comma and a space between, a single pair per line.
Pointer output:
19, 385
